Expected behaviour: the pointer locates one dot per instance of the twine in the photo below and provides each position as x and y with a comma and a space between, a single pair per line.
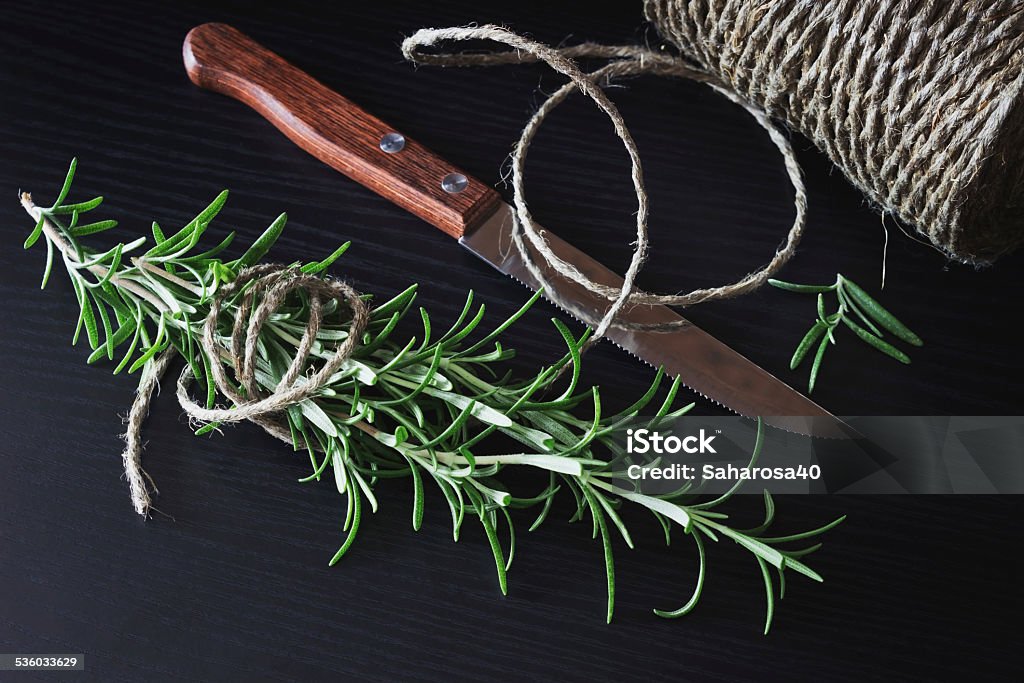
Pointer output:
627, 61
921, 104
262, 291
139, 481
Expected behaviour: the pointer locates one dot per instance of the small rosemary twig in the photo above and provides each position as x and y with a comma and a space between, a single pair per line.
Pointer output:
854, 300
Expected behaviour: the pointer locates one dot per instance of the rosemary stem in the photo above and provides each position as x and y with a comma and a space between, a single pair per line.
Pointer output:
56, 236
170, 277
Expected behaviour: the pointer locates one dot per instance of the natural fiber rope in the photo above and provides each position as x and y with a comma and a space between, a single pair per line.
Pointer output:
920, 103
264, 290
632, 61
139, 481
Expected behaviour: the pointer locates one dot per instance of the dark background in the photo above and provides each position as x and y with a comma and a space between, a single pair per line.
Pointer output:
230, 581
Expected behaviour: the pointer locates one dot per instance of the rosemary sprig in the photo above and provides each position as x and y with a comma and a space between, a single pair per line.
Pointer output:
422, 408
853, 300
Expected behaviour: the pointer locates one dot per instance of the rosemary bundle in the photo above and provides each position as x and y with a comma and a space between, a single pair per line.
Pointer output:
366, 405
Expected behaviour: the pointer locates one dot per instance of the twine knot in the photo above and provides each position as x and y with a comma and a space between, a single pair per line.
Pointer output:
256, 294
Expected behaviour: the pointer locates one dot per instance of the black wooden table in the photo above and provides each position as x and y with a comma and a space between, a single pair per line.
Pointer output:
230, 581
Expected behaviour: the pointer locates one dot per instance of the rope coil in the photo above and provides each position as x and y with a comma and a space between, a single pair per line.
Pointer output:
627, 61
263, 291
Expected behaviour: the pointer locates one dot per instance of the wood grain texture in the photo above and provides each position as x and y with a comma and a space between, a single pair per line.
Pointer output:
231, 581
333, 129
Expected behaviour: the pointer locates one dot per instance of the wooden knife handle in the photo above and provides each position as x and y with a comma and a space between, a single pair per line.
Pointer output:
333, 129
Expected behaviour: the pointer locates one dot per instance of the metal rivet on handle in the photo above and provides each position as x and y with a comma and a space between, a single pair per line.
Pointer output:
392, 143
453, 183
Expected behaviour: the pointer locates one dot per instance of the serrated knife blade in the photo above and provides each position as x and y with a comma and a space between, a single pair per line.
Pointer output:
700, 361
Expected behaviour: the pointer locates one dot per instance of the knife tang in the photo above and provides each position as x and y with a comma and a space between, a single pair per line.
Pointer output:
336, 131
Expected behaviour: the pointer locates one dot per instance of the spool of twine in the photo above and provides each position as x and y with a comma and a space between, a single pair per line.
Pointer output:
920, 103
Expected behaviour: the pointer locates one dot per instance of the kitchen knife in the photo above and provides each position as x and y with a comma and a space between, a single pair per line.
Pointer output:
339, 133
